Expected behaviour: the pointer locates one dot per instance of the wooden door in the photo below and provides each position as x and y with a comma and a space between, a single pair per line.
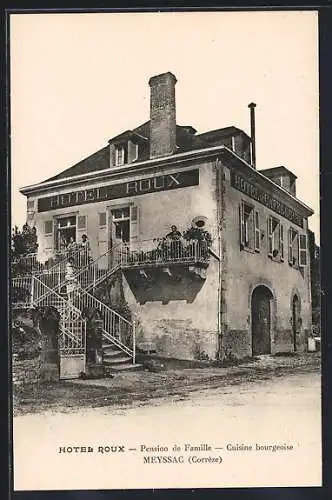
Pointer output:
261, 321
295, 320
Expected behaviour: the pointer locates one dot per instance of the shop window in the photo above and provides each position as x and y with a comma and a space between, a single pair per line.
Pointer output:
275, 239
249, 227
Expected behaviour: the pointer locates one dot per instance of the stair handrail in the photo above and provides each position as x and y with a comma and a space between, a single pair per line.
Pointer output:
103, 305
117, 343
110, 318
44, 270
67, 303
79, 273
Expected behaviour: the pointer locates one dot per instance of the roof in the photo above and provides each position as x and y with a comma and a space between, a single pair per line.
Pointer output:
97, 161
185, 138
276, 171
221, 132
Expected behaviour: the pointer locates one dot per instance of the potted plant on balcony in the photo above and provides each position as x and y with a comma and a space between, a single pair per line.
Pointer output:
200, 235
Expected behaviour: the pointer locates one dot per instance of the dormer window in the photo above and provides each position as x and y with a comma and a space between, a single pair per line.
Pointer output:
135, 152
119, 156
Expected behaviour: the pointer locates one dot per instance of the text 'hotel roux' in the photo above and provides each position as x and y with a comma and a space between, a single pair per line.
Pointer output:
235, 278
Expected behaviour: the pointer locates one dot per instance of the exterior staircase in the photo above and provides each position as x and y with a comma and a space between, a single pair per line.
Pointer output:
45, 287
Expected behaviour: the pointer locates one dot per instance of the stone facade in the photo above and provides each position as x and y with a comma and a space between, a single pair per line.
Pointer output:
186, 313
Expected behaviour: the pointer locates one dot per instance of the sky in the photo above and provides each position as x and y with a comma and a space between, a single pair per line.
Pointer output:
79, 79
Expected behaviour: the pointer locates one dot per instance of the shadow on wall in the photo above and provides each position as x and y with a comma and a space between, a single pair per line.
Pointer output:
158, 286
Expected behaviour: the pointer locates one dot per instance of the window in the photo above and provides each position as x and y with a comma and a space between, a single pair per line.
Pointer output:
120, 213
135, 153
66, 231
303, 250
233, 144
257, 232
293, 247
249, 227
119, 156
121, 224
275, 239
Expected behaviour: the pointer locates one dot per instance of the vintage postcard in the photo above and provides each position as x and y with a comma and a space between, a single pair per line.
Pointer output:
165, 250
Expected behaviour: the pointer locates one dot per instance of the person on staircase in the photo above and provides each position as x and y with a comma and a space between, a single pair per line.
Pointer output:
73, 286
85, 251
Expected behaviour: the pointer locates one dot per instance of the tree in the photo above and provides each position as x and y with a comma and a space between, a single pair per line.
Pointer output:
24, 241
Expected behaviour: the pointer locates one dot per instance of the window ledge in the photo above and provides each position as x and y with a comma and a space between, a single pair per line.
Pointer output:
276, 259
249, 249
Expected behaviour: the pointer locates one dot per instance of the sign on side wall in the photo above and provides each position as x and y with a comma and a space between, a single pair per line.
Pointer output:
266, 199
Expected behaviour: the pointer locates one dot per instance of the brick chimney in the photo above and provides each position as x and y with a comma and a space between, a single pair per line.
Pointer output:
162, 115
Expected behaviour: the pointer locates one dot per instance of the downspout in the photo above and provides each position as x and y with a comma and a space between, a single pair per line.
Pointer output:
219, 215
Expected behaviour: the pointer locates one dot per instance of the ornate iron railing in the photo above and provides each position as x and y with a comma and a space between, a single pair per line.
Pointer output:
161, 252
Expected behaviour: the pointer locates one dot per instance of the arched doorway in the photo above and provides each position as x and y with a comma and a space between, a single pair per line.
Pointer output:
295, 319
261, 320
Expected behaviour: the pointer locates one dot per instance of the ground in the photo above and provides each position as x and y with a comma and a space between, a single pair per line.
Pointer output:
129, 388
270, 401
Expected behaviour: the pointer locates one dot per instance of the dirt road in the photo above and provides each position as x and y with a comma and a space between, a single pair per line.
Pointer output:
283, 411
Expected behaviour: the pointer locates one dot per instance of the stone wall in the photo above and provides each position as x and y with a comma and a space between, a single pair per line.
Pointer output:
35, 353
26, 371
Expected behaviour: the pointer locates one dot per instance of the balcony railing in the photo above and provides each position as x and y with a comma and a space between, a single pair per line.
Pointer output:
29, 264
162, 252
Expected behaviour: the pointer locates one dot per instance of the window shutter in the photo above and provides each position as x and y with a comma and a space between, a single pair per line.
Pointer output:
102, 219
134, 223
242, 225
30, 205
269, 236
48, 242
281, 242
303, 250
81, 222
290, 246
257, 231
48, 227
81, 227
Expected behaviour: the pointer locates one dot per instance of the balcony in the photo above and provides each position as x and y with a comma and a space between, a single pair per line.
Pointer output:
163, 253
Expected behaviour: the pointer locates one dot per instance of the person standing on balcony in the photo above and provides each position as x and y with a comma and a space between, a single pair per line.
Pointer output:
71, 245
174, 234
173, 244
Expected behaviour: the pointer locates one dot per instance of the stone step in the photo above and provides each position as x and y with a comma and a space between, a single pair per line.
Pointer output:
110, 360
111, 351
122, 367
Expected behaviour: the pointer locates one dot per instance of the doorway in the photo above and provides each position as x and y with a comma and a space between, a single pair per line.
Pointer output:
119, 233
261, 320
295, 319
65, 231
